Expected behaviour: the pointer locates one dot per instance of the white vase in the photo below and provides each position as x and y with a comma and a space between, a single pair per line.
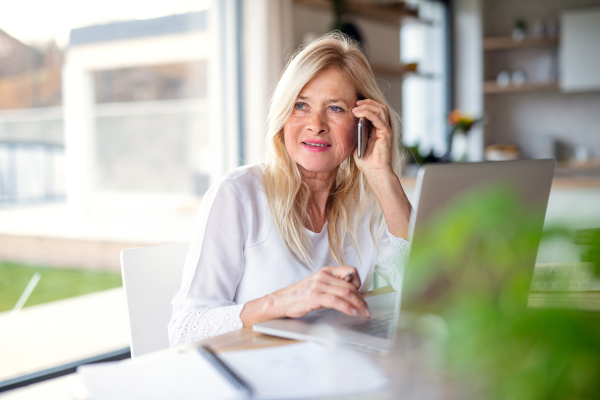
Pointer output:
458, 152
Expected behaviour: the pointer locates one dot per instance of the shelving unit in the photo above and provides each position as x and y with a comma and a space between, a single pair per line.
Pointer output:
508, 43
531, 116
491, 87
506, 53
394, 14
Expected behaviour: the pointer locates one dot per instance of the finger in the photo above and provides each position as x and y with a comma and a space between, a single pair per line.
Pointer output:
339, 272
377, 117
332, 280
372, 140
371, 102
342, 272
349, 295
374, 106
351, 277
337, 303
378, 121
356, 280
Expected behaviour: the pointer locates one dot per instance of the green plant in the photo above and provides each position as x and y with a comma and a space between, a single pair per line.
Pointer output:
493, 342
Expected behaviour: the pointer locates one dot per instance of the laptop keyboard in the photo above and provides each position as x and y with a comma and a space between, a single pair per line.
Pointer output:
378, 327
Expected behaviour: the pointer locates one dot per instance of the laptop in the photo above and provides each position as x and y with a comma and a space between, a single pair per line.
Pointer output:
437, 186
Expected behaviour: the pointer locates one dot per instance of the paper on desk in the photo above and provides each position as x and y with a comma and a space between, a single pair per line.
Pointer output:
294, 371
306, 370
165, 375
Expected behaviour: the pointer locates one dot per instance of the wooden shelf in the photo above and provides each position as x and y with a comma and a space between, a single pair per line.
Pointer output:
401, 70
562, 182
578, 172
491, 87
592, 164
507, 43
392, 14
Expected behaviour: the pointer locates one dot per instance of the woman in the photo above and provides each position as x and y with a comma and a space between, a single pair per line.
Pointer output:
310, 226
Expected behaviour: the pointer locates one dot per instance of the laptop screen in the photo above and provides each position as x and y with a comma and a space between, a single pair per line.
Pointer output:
477, 228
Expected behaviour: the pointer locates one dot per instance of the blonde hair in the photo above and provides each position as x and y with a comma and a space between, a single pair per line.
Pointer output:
286, 192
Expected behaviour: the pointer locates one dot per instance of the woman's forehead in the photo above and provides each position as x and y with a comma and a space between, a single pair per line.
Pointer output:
329, 85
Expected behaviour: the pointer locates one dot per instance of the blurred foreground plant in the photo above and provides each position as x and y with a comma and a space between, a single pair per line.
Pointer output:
465, 268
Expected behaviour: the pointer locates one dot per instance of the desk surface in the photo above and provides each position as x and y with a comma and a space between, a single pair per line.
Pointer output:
409, 376
403, 366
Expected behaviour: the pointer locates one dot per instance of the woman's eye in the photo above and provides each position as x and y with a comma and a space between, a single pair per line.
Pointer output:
300, 106
337, 109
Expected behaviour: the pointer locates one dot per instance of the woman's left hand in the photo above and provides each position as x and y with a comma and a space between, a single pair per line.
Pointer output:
376, 165
378, 157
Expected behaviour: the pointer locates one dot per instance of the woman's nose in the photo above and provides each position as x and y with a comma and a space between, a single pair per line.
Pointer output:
317, 122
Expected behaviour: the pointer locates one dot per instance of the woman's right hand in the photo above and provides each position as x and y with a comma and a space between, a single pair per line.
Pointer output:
325, 288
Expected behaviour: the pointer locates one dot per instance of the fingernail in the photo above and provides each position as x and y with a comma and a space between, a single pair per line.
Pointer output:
354, 312
348, 277
368, 313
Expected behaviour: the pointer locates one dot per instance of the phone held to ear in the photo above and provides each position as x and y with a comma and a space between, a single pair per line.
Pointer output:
364, 129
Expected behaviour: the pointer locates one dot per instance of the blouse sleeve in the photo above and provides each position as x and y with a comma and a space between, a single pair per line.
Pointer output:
393, 255
204, 305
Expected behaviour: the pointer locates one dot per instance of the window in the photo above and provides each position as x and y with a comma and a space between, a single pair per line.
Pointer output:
425, 95
111, 130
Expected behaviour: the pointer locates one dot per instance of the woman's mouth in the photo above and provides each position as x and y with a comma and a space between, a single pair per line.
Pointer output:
316, 146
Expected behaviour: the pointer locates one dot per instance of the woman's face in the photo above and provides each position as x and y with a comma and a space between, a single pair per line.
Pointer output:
321, 132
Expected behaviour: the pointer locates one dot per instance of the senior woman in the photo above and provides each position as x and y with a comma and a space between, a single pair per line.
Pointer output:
309, 227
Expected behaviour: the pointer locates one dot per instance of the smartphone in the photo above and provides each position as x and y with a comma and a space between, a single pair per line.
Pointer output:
364, 129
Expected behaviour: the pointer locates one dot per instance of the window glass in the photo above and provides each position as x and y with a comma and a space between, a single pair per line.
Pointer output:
104, 145
424, 95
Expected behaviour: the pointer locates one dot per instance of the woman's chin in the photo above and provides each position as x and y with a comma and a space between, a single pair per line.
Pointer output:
318, 167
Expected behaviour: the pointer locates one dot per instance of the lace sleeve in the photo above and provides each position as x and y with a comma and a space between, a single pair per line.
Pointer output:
391, 264
203, 323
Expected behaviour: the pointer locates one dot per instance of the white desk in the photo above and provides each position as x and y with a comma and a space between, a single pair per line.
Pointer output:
408, 375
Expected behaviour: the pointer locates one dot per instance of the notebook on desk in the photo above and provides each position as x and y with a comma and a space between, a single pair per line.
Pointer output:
295, 371
437, 186
161, 375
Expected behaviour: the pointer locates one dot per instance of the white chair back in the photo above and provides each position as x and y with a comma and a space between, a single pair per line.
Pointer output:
151, 277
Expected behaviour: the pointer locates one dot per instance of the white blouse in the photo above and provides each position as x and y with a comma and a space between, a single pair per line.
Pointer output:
236, 255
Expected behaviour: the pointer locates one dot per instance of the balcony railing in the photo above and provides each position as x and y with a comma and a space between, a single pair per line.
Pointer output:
31, 173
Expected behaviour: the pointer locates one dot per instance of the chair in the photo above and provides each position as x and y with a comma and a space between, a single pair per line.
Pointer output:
151, 277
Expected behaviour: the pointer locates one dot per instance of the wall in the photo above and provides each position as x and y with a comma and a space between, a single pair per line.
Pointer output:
382, 45
528, 119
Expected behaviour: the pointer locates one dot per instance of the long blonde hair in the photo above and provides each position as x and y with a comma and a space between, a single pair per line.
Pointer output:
286, 192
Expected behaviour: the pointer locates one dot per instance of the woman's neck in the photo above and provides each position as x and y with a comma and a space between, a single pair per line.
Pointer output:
319, 185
